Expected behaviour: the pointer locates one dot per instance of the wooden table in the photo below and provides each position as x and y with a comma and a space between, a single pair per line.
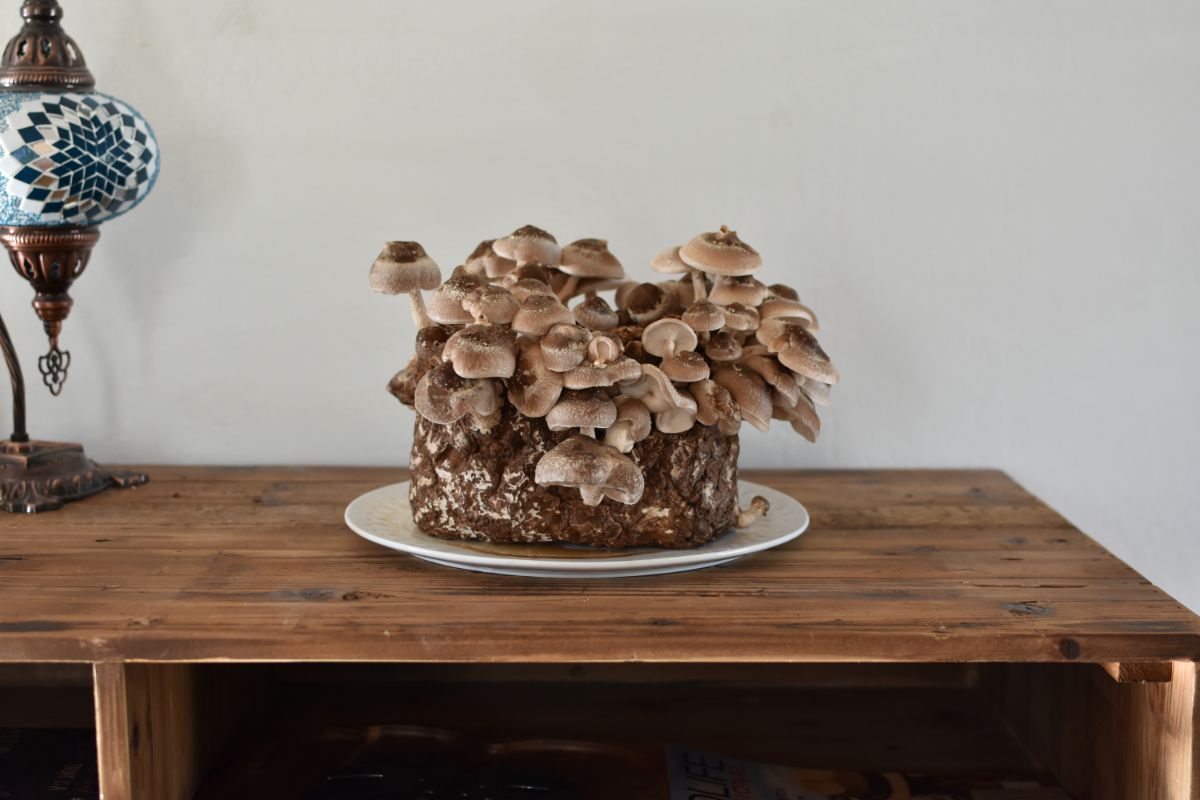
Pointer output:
921, 584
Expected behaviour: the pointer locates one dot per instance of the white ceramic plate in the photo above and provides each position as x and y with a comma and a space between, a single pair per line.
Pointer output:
383, 516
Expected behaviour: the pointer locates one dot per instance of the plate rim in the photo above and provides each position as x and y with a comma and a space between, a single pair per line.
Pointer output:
643, 560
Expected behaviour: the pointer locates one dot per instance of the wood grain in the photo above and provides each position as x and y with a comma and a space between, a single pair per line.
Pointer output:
255, 564
1139, 672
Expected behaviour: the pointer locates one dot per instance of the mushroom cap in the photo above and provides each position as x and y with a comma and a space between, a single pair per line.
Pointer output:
668, 335
590, 258
632, 426
771, 329
784, 291
716, 406
403, 267
739, 317
668, 262
582, 410
527, 287
482, 351
819, 393
721, 253
783, 308
596, 375
749, 391
596, 314
799, 351
492, 303
445, 306
776, 376
604, 349
723, 346
685, 367
676, 420
529, 243
655, 389
681, 292
533, 269
442, 396
582, 462
801, 414
564, 346
539, 313
484, 258
703, 316
745, 289
644, 303
534, 388
431, 340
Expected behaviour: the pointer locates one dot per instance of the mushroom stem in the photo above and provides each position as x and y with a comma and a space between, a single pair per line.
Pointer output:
698, 289
588, 432
591, 495
568, 288
420, 315
748, 516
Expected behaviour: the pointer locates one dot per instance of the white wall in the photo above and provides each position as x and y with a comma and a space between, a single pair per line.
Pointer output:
993, 206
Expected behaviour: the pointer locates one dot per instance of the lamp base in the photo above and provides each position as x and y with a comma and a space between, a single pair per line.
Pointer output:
41, 476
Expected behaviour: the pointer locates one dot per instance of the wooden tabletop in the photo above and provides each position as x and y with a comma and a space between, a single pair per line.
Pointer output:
255, 564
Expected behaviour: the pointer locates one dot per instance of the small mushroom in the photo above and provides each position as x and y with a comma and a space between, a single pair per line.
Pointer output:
446, 304
532, 270
674, 413
723, 346
704, 317
596, 469
482, 351
584, 410
716, 406
744, 289
431, 341
778, 378
588, 258
721, 253
539, 313
668, 262
681, 293
818, 392
525, 288
631, 427
799, 351
594, 375
529, 244
668, 336
492, 304
784, 291
403, 384
758, 507
645, 303
686, 366
741, 318
486, 261
565, 346
534, 388
443, 396
783, 308
749, 391
405, 268
596, 314
801, 414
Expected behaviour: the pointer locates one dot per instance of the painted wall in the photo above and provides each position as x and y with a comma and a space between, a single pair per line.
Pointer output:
993, 206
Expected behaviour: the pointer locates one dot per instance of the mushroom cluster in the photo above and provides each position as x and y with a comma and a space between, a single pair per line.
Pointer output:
522, 321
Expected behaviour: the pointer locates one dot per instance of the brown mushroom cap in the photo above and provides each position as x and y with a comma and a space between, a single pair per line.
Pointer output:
703, 317
564, 346
596, 469
596, 314
482, 351
655, 389
431, 341
525, 288
534, 388
446, 304
632, 426
532, 270
801, 414
668, 336
404, 267
685, 367
776, 376
819, 393
799, 351
749, 391
486, 260
739, 317
582, 410
682, 293
491, 303
442, 396
721, 253
784, 291
668, 262
771, 329
644, 303
590, 258
716, 406
783, 308
539, 313
597, 375
723, 346
745, 289
529, 243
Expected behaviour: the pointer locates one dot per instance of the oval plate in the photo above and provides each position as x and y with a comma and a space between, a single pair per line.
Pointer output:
383, 516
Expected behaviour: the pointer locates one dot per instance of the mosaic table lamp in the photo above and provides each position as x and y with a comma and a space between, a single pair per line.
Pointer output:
70, 159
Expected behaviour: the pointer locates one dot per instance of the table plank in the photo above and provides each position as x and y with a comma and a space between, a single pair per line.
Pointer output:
255, 564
